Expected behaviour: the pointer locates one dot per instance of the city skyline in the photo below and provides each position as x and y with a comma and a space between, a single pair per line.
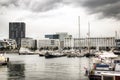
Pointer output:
51, 16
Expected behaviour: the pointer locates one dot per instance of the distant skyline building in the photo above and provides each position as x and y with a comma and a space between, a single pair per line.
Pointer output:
98, 43
17, 31
60, 36
48, 43
28, 43
117, 41
52, 36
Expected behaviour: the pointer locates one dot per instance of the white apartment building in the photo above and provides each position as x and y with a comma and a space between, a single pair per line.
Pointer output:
69, 42
27, 43
48, 43
101, 42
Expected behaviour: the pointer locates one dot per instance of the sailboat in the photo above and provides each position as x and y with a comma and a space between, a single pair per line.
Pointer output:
89, 53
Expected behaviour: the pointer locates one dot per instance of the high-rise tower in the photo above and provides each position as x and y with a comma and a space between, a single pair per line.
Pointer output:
17, 31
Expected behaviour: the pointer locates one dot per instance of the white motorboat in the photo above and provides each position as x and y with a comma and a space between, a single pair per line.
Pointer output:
25, 51
107, 65
3, 60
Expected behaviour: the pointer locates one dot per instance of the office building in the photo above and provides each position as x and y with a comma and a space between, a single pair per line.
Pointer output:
60, 36
27, 43
52, 36
117, 41
17, 31
48, 43
95, 42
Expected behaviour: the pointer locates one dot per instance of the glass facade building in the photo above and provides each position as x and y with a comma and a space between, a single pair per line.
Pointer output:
53, 36
17, 31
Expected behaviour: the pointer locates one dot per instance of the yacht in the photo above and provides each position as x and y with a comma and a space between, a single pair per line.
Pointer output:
108, 68
105, 72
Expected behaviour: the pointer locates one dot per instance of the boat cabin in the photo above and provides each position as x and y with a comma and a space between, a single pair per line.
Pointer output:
106, 72
110, 76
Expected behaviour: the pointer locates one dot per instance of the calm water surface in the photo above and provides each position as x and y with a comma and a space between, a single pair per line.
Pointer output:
33, 67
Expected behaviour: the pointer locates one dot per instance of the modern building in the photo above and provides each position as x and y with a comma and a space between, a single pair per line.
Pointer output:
48, 43
52, 36
59, 35
117, 41
17, 31
28, 43
68, 42
11, 43
95, 42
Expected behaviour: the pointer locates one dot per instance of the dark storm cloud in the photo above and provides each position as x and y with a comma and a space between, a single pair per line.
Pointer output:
98, 3
107, 8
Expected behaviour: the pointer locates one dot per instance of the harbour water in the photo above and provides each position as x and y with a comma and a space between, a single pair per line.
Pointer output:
33, 67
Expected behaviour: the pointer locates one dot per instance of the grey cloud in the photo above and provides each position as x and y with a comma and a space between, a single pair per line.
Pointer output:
98, 3
32, 5
7, 3
107, 8
45, 5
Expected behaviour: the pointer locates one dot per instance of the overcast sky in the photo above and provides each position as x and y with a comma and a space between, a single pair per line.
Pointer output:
51, 16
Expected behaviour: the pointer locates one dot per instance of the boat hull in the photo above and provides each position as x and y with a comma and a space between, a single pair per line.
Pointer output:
50, 56
3, 63
94, 77
27, 53
53, 56
41, 55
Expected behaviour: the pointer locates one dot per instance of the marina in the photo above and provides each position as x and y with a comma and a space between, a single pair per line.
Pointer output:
108, 64
33, 67
56, 66
59, 40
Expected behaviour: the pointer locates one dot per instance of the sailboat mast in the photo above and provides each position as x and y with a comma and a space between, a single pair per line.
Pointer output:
79, 30
88, 30
115, 34
79, 26
89, 37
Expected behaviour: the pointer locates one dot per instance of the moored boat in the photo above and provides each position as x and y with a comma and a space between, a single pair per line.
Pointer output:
116, 52
104, 71
3, 60
110, 76
25, 51
42, 53
52, 54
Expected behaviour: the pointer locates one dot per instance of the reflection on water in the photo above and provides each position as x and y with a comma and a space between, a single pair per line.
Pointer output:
33, 67
16, 71
3, 70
